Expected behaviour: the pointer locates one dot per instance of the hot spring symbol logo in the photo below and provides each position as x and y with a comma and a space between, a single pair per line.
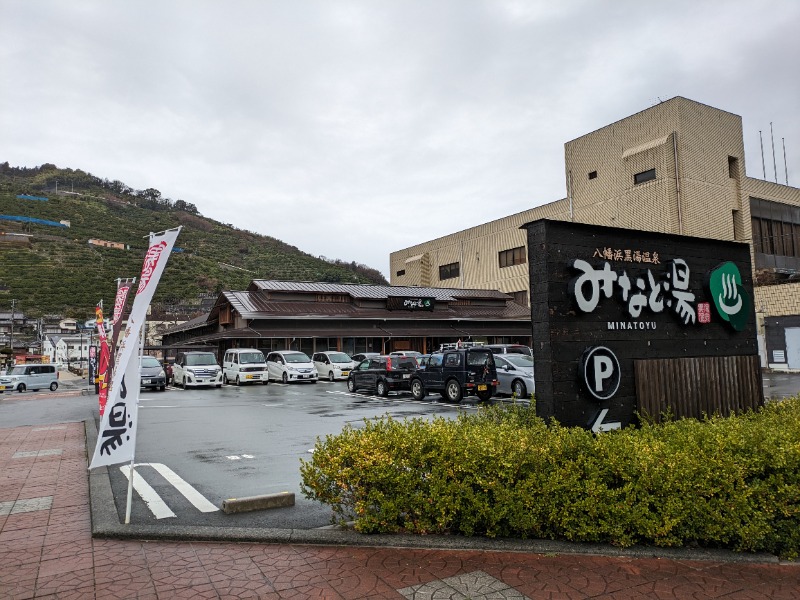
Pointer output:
729, 297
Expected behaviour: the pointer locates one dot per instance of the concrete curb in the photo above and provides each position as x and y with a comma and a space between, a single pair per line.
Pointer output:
264, 502
106, 524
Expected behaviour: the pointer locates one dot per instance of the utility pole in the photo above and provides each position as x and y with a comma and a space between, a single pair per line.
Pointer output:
13, 359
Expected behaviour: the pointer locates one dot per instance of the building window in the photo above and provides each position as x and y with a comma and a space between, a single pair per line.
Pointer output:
593, 175
515, 256
450, 271
644, 176
521, 297
401, 272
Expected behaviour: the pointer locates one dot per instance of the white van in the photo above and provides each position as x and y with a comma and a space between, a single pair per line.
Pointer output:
244, 365
30, 377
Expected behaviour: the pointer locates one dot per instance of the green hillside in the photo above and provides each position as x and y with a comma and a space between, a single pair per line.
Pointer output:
56, 270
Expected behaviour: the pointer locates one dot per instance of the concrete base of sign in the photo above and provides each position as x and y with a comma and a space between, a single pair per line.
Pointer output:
237, 505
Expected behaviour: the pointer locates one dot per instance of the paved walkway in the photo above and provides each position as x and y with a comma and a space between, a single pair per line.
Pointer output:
47, 551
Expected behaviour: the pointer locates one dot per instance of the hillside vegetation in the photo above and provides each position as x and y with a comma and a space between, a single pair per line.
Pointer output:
56, 270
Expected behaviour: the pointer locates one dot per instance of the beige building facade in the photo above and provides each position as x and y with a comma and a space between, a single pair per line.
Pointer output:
677, 167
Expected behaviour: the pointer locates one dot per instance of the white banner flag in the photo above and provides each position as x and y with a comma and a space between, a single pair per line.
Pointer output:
116, 437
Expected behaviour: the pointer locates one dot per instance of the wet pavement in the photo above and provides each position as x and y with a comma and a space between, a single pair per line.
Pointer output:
47, 551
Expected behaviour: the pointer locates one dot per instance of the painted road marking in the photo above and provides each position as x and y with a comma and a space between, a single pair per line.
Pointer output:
239, 456
51, 428
22, 506
154, 502
151, 498
37, 453
476, 585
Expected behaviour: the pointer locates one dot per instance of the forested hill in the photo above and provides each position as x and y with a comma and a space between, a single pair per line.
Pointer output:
50, 269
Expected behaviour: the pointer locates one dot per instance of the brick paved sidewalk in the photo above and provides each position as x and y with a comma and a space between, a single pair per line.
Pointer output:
46, 551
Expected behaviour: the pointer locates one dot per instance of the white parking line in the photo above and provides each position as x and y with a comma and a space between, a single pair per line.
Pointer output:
192, 495
151, 498
154, 502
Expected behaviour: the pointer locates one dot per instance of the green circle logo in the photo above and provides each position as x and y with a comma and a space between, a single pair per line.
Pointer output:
729, 297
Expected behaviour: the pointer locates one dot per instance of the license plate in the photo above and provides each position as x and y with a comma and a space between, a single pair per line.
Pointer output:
482, 387
345, 373
406, 375
145, 381
248, 376
2, 387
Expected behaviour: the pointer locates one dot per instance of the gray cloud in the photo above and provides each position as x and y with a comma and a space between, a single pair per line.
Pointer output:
352, 129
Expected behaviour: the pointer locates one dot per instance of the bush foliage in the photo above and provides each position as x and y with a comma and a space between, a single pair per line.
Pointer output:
722, 482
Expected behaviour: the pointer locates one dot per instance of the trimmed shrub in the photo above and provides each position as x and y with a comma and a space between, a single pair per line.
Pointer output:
722, 482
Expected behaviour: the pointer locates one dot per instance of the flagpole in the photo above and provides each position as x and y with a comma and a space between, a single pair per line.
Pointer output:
132, 469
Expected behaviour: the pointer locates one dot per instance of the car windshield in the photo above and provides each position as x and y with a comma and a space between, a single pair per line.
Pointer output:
249, 358
297, 357
198, 360
523, 361
16, 371
480, 358
339, 357
149, 361
404, 362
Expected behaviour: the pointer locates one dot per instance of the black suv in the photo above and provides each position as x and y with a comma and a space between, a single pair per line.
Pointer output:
457, 373
382, 374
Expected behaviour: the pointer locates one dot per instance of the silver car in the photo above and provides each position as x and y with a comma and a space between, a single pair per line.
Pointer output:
515, 373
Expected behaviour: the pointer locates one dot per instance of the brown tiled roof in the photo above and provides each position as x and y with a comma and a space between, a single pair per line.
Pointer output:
371, 291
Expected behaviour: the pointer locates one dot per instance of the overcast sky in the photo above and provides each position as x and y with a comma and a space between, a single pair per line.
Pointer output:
354, 129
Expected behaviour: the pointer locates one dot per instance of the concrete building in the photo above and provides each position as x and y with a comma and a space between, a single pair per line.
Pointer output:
677, 167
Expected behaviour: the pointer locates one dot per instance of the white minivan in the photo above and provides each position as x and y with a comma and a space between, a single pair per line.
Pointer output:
244, 365
30, 377
290, 365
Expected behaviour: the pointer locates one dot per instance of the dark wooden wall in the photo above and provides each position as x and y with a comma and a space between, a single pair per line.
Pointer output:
698, 387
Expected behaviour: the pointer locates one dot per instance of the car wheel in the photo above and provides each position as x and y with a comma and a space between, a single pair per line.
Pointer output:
453, 391
237, 381
53, 386
330, 375
285, 378
265, 381
351, 384
484, 396
225, 379
382, 388
162, 388
518, 389
21, 388
417, 389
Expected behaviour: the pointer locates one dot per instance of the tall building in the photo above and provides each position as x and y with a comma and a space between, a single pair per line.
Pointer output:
677, 167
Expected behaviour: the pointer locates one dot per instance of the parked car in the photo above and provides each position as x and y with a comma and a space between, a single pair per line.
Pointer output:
332, 365
357, 358
290, 365
457, 373
30, 377
413, 353
515, 374
152, 373
168, 362
194, 369
510, 349
244, 365
382, 374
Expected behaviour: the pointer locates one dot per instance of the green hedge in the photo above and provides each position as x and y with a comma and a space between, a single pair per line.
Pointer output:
723, 482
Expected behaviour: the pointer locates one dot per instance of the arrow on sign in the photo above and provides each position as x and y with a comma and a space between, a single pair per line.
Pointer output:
599, 426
